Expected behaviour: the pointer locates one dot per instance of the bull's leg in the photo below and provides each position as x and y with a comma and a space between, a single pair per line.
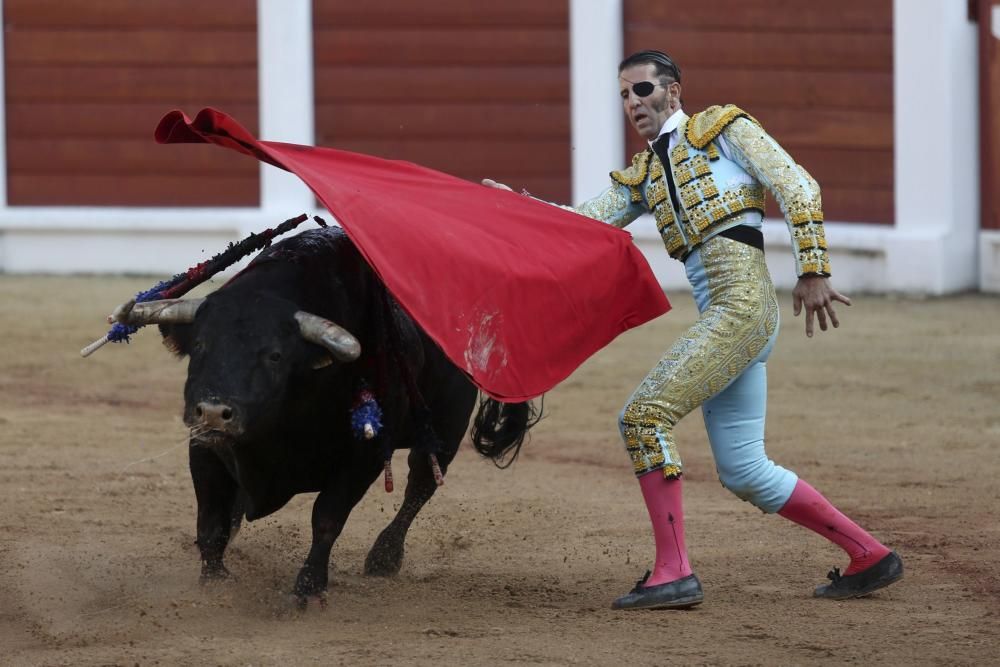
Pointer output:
386, 555
216, 492
330, 511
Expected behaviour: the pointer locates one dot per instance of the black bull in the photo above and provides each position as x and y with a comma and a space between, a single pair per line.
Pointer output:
269, 404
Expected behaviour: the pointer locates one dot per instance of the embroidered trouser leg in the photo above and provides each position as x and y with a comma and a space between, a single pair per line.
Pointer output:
734, 333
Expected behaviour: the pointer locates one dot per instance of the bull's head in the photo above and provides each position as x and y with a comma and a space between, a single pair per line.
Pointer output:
245, 355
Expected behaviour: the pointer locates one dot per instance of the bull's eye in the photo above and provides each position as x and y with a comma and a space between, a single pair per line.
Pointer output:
274, 356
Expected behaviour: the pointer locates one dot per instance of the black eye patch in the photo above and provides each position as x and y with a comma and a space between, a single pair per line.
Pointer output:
643, 88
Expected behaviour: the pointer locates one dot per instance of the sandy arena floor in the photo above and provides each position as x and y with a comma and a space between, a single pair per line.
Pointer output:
895, 417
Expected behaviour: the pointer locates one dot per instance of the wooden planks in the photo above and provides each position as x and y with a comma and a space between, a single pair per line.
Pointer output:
86, 83
426, 120
472, 155
846, 167
114, 85
178, 14
134, 47
133, 156
989, 115
440, 13
371, 83
840, 51
447, 47
125, 120
818, 75
474, 91
51, 188
793, 16
787, 89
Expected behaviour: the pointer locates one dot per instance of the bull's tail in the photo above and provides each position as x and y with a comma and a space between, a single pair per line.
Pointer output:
499, 429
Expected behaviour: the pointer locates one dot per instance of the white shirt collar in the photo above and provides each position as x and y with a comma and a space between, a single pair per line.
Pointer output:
671, 124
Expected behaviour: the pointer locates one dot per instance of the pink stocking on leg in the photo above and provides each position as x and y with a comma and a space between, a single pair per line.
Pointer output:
666, 512
807, 507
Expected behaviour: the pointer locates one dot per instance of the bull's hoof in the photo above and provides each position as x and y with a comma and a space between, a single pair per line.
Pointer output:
213, 572
309, 584
383, 561
318, 600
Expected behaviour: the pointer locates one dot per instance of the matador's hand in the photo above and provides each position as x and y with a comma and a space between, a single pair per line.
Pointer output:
817, 295
490, 183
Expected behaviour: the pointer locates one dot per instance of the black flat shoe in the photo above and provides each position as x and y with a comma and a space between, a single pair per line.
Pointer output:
679, 594
843, 586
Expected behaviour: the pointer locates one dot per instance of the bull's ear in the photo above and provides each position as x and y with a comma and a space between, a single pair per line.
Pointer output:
177, 338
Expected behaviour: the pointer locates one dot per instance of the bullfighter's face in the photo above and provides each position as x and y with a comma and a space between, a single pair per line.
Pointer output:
648, 112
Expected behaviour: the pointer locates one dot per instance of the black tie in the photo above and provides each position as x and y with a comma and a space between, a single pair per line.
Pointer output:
662, 149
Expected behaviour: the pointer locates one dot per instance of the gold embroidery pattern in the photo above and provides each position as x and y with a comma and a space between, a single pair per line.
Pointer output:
655, 169
663, 213
716, 209
679, 154
713, 152
672, 240
814, 261
669, 231
708, 190
705, 126
696, 168
689, 194
635, 174
682, 176
664, 216
797, 192
700, 166
806, 217
729, 334
613, 206
656, 192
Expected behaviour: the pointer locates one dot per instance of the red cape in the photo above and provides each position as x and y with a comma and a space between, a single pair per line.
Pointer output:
518, 293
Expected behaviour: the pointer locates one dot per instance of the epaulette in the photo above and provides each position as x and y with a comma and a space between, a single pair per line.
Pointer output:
636, 174
706, 125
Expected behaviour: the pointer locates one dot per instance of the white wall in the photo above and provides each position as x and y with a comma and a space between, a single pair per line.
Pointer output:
934, 247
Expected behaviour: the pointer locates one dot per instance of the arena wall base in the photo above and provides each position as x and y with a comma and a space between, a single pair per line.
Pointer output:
866, 258
159, 242
989, 261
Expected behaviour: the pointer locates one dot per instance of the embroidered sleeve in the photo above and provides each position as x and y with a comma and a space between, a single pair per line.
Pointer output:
614, 206
623, 202
795, 190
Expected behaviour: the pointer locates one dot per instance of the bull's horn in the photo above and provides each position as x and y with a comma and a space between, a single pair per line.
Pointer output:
335, 338
166, 311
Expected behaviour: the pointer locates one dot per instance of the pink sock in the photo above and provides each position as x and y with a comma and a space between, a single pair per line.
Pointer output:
666, 512
807, 507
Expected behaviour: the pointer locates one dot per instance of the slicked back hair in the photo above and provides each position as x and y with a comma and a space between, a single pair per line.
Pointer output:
664, 64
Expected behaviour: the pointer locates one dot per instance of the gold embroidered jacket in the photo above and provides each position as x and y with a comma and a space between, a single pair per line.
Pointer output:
715, 192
